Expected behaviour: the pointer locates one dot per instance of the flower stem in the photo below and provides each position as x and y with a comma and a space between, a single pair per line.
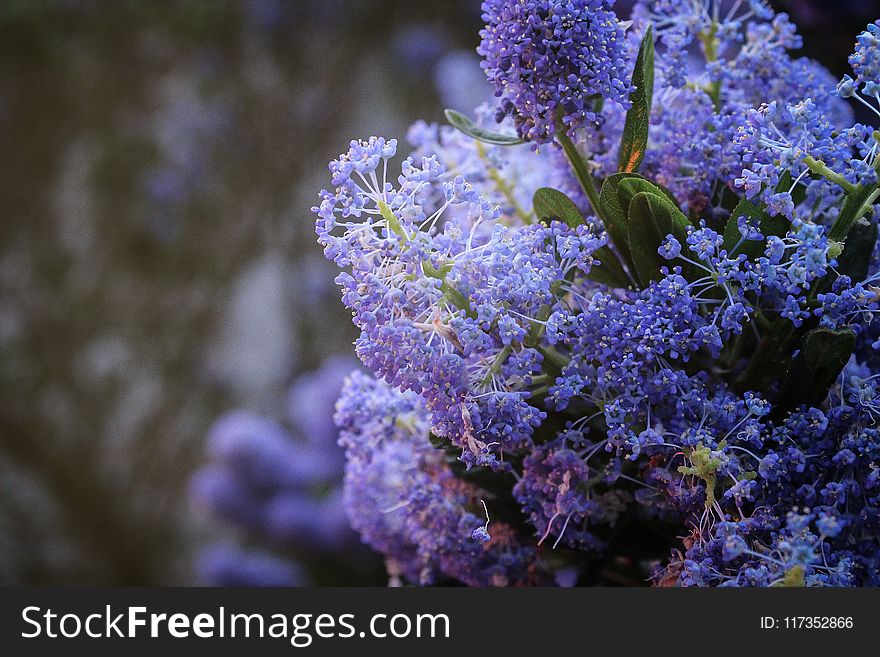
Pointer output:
503, 186
391, 220
710, 42
820, 168
581, 170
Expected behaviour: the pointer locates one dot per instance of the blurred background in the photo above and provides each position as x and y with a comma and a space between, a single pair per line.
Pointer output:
171, 339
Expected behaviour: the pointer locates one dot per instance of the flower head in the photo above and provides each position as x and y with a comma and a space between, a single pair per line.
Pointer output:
550, 59
865, 61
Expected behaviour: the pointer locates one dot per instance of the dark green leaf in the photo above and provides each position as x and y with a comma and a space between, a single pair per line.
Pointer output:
732, 236
553, 362
443, 444
855, 259
614, 199
497, 485
552, 204
786, 183
822, 356
616, 222
643, 247
634, 184
651, 218
768, 226
536, 330
609, 272
857, 250
471, 129
638, 118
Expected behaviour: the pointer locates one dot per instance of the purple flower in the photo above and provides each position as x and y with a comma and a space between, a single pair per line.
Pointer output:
550, 58
518, 372
866, 58
670, 248
228, 565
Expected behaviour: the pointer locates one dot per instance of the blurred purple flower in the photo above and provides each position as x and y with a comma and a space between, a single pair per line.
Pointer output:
229, 565
282, 490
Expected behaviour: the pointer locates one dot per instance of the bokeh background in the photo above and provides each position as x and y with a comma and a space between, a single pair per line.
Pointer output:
158, 267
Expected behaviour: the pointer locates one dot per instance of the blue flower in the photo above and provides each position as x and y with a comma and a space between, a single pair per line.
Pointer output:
549, 58
670, 248
574, 400
481, 535
866, 58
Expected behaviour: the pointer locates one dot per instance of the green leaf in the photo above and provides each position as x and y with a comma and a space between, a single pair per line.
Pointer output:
768, 226
857, 250
643, 250
634, 184
552, 204
822, 356
638, 118
615, 213
609, 272
443, 444
651, 218
786, 182
496, 484
855, 259
471, 129
614, 200
777, 226
732, 236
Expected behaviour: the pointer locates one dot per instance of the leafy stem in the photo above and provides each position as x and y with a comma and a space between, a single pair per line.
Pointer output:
502, 185
449, 291
820, 168
710, 42
581, 169
554, 362
854, 208
391, 220
497, 364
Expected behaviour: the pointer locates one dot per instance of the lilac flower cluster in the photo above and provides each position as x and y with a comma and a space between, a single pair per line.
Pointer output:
445, 311
277, 489
549, 61
709, 23
814, 496
718, 61
824, 161
865, 61
690, 352
406, 502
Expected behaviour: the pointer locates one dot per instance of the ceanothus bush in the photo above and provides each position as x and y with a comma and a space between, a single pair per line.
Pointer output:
628, 333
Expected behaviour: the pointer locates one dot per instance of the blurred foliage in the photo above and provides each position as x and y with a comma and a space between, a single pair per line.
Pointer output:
157, 259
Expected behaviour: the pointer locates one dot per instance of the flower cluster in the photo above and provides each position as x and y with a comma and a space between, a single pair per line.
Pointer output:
549, 60
405, 500
865, 61
577, 365
718, 62
444, 290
